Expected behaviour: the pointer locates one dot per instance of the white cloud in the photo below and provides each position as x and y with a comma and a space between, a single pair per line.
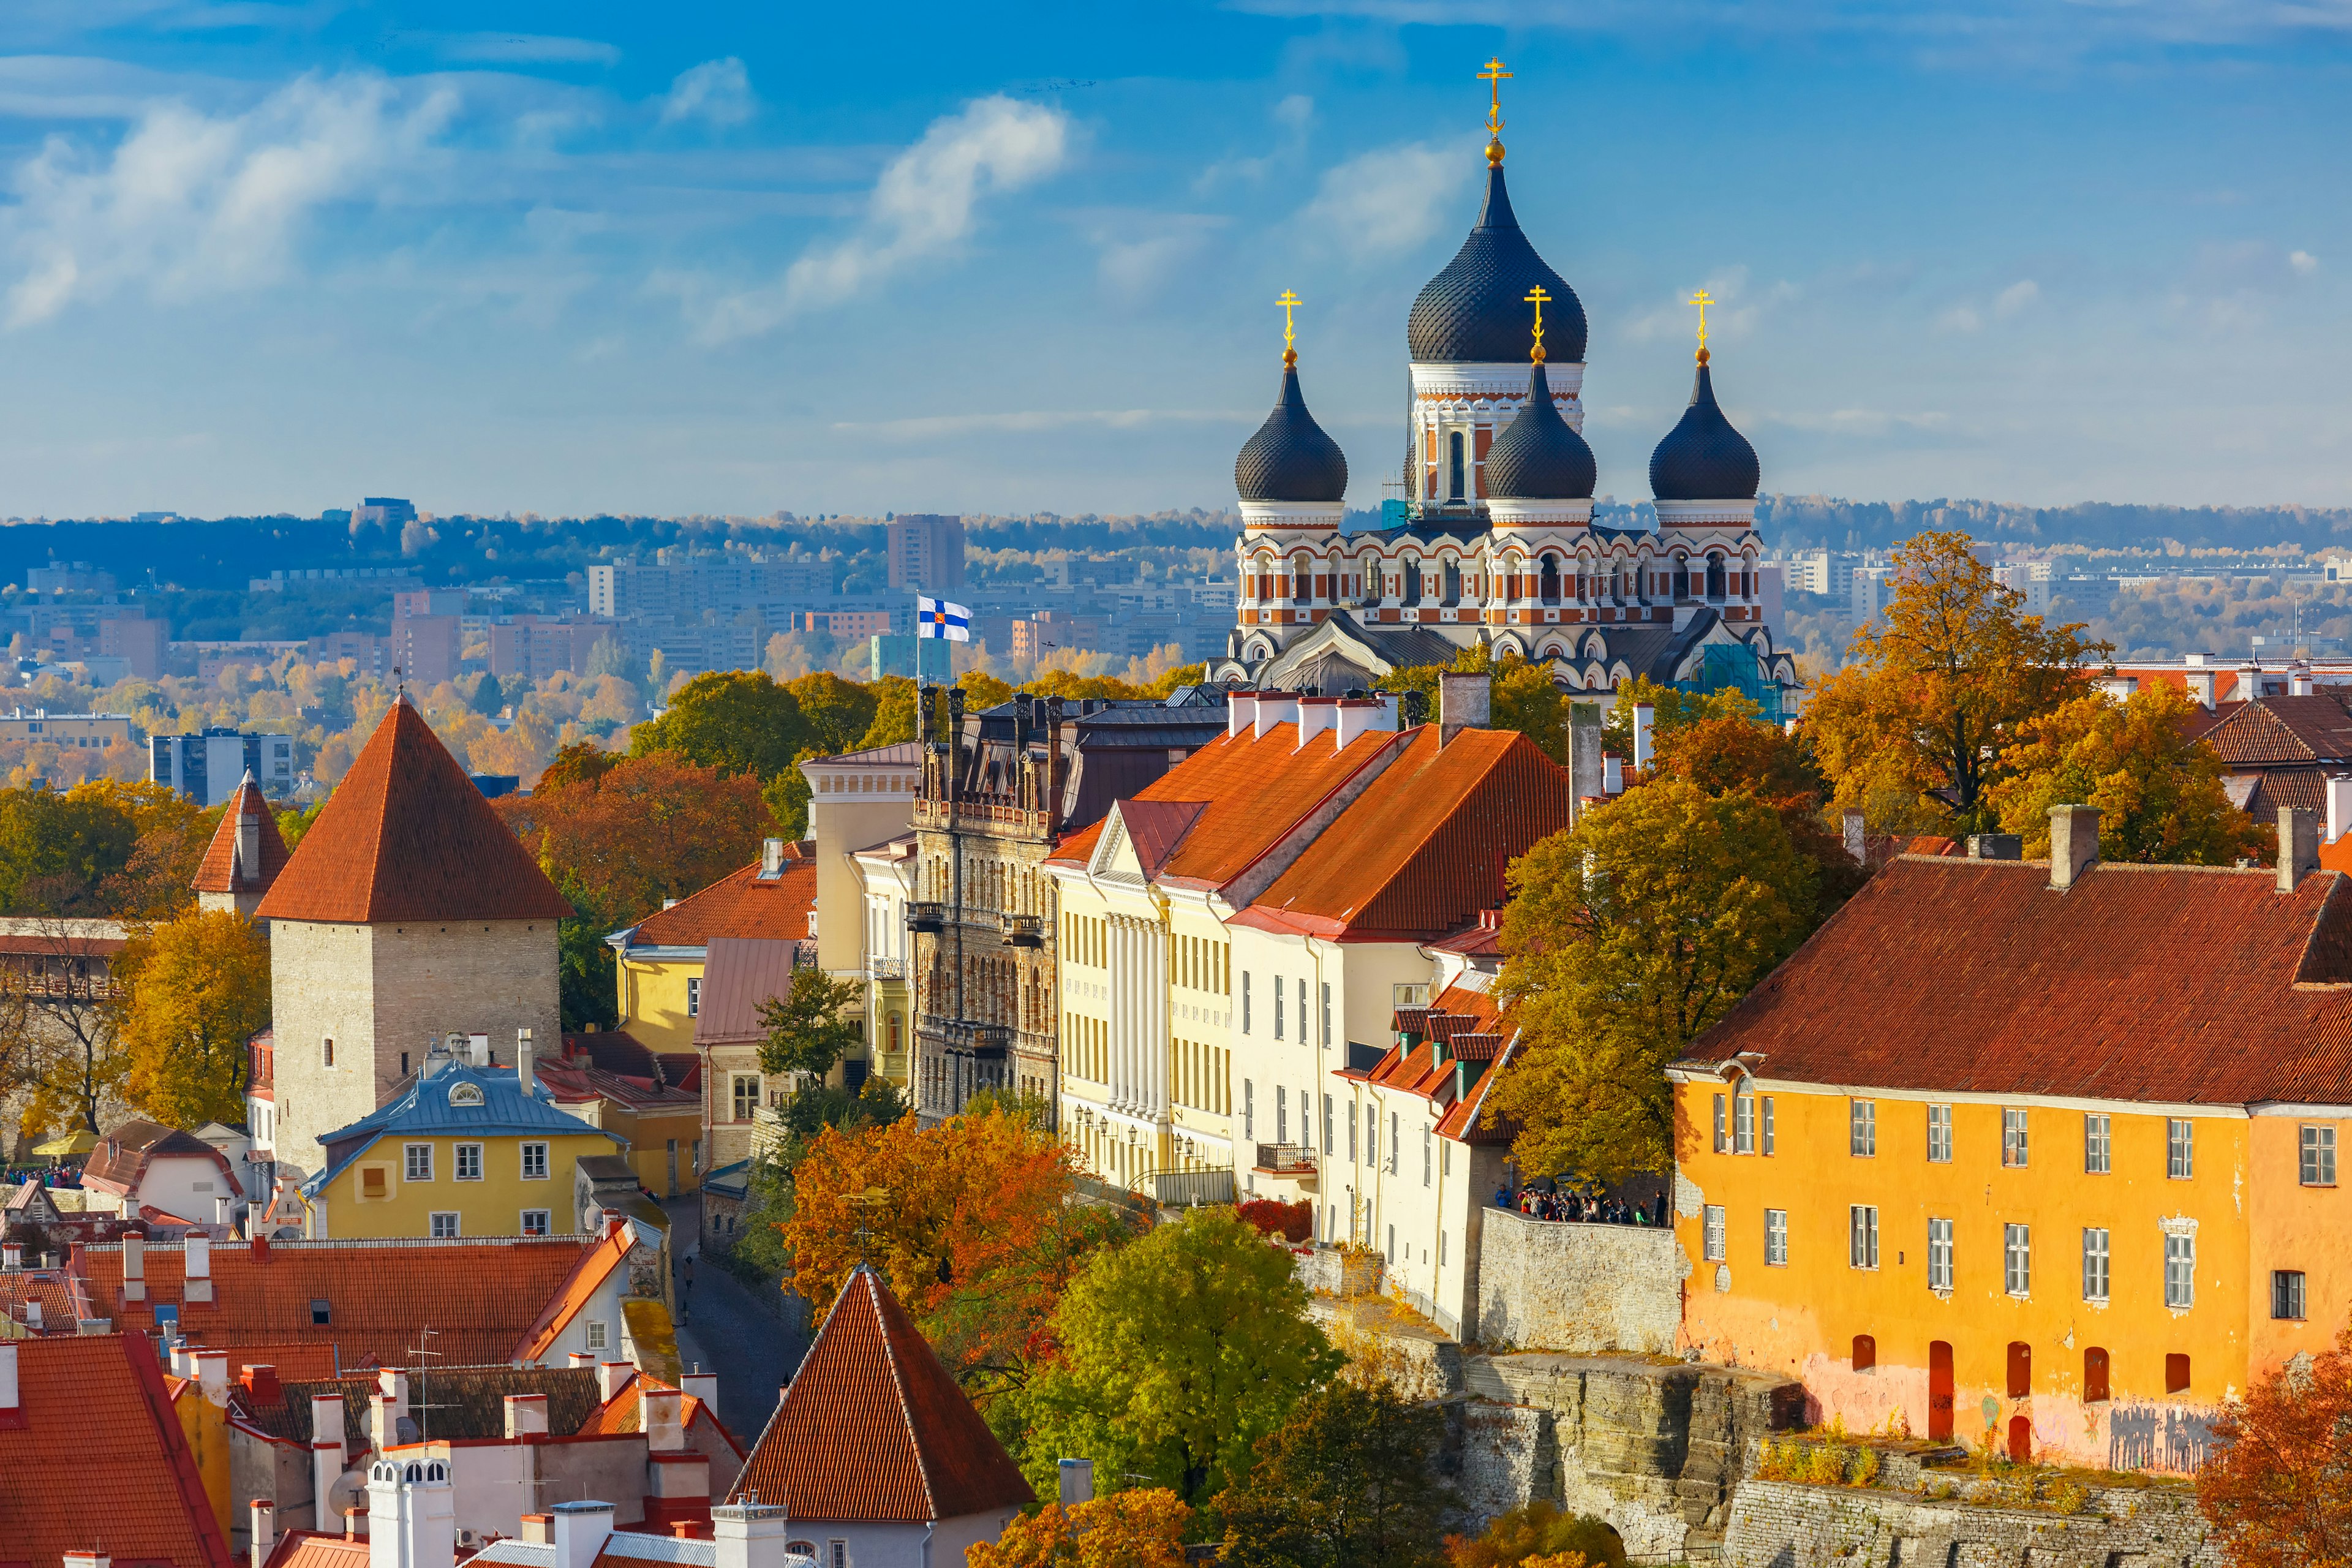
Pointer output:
1732, 311
926, 204
2015, 299
190, 203
2303, 263
717, 92
1960, 318
1140, 252
528, 49
1384, 201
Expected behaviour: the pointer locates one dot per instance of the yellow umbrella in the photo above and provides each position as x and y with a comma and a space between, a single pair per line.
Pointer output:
66, 1143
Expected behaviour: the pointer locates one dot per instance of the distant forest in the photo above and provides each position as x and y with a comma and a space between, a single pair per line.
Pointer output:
1798, 522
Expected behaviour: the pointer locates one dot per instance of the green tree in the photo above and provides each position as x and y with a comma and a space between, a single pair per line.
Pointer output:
487, 699
1179, 1352
2159, 793
809, 1028
894, 712
1520, 695
736, 721
1625, 937
837, 712
56, 850
196, 989
1346, 1482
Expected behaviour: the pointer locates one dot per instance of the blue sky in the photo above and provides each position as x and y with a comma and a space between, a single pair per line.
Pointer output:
260, 257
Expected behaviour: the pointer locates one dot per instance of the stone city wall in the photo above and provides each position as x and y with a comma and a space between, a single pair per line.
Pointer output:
1587, 1289
1784, 1524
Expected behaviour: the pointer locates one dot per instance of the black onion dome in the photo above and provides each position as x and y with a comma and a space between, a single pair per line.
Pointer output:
1539, 456
1476, 312
1703, 457
1290, 458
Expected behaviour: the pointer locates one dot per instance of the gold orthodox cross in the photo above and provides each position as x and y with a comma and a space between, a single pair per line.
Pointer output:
1702, 301
1289, 302
1494, 76
1537, 297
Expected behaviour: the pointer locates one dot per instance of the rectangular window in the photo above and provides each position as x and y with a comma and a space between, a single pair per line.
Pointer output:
1722, 1140
1282, 1114
445, 1227
2098, 1144
1716, 1244
1861, 1235
416, 1165
1326, 1012
1940, 1255
1939, 1134
1245, 1002
1428, 1138
535, 1222
599, 1337
1776, 1238
694, 997
1302, 1017
2095, 1264
2286, 1294
325, 1053
1764, 1141
1862, 1128
534, 1161
1352, 1134
746, 1095
2180, 1271
1393, 1143
1331, 1141
2179, 1147
1278, 993
1249, 1108
1743, 1124
469, 1161
2319, 1156
2017, 1258
2013, 1136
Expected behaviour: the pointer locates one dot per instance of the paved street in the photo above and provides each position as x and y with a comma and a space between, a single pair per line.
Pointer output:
731, 1331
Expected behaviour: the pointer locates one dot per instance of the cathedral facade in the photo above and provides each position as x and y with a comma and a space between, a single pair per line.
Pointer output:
1494, 541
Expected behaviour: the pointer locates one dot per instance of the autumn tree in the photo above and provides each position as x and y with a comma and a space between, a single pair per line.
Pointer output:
64, 1025
1536, 1535
894, 712
2159, 793
1520, 695
196, 989
735, 722
1626, 936
156, 882
57, 847
809, 1028
2277, 1485
1143, 1528
1933, 696
970, 1221
1176, 1352
1347, 1481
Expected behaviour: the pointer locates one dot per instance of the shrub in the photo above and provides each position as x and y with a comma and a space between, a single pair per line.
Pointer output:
1272, 1217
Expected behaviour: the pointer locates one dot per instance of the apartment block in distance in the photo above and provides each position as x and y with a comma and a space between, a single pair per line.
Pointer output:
208, 767
83, 732
926, 550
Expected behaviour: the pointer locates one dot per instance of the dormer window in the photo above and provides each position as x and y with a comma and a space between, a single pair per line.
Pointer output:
466, 1094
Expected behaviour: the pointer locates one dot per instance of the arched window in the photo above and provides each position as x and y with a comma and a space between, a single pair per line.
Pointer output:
1682, 576
1453, 581
1866, 1353
1301, 578
1548, 582
1456, 468
1715, 576
1411, 580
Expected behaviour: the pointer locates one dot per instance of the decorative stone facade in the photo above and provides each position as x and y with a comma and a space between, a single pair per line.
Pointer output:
1581, 1289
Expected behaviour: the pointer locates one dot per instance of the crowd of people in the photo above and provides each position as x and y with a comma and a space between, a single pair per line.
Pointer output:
1572, 1208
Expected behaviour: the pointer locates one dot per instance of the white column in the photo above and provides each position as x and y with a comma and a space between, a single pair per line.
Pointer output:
1163, 1023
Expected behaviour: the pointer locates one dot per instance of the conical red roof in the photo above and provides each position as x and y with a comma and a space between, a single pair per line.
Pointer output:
408, 837
875, 1428
220, 873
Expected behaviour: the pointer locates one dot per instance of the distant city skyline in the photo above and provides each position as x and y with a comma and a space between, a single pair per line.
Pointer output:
259, 258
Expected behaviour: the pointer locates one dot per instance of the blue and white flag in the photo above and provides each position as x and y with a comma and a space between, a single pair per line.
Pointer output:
938, 618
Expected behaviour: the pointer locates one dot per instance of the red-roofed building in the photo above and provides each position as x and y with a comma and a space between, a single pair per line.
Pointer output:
875, 1447
2058, 1139
93, 1457
245, 857
408, 913
145, 1170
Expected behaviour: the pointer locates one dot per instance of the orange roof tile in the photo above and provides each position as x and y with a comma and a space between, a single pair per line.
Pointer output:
625, 1412
873, 1427
482, 1297
579, 1288
740, 904
408, 837
2313, 729
1425, 847
220, 872
98, 1459
318, 1549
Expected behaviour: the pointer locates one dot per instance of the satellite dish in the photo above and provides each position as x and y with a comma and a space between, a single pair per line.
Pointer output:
348, 1494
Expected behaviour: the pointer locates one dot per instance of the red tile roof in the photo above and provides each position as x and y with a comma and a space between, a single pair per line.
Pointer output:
740, 904
318, 1549
220, 872
589, 1272
2282, 730
480, 1298
99, 1460
1424, 847
2173, 983
408, 837
122, 1156
873, 1427
625, 1412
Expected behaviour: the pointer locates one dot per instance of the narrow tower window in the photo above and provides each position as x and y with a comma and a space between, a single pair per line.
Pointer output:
1456, 477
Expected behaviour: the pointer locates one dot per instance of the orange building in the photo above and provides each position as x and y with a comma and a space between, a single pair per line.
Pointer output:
2039, 1153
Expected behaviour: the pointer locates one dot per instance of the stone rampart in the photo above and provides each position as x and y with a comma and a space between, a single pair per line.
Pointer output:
1586, 1289
1785, 1524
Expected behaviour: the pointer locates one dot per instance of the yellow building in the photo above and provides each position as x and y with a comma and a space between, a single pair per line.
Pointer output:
2043, 1154
610, 1081
461, 1152
661, 959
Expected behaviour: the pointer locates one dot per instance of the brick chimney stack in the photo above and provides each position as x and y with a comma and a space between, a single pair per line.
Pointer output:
1465, 701
2073, 843
2298, 845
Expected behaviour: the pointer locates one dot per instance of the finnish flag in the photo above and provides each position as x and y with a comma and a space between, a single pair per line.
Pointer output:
938, 618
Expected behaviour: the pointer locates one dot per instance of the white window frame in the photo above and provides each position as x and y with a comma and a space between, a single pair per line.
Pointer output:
411, 1163
735, 1082
2017, 1260
546, 1218
460, 1161
2316, 1157
443, 1224
1862, 1128
1279, 993
2180, 1149
2098, 1143
598, 1335
1722, 1126
2180, 1272
1714, 1244
530, 1148
2098, 1263
1776, 1238
1939, 1254
1939, 1135
694, 995
2016, 1130
1861, 1235
1743, 1123
1764, 1124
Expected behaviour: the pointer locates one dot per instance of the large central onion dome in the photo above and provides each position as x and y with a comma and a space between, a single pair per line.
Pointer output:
1703, 457
1290, 459
1473, 312
1539, 456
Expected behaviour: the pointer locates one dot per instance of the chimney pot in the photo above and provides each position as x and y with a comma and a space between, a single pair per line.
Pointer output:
1612, 774
265, 1529
1465, 701
612, 1376
578, 1359
702, 1385
2298, 845
747, 1534
1858, 838
2073, 843
260, 1382
658, 1414
1077, 1482
581, 1530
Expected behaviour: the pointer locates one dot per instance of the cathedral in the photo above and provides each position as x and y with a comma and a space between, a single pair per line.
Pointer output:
1493, 540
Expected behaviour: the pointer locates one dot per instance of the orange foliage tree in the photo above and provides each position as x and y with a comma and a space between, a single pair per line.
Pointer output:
969, 1222
1139, 1529
657, 826
2277, 1487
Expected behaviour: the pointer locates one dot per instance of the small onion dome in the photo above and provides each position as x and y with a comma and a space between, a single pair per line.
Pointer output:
1290, 459
1703, 457
1539, 456
1475, 311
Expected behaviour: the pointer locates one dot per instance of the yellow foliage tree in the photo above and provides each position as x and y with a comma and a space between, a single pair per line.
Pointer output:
195, 990
1139, 1529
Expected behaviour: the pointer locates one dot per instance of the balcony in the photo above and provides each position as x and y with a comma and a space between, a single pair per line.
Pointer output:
927, 917
969, 1036
886, 968
1023, 930
1295, 1161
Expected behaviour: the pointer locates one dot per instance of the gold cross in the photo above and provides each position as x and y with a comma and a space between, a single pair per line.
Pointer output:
1494, 76
1702, 301
1288, 302
1536, 297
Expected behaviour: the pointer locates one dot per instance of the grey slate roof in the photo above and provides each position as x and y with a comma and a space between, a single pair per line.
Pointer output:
1289, 458
1539, 456
1476, 310
1703, 457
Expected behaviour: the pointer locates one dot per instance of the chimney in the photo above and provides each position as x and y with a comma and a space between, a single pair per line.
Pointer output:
2339, 805
212, 1374
135, 1269
1996, 846
12, 1403
1858, 838
260, 1383
1357, 716
580, 1528
610, 1377
538, 1528
1077, 1477
578, 1359
2073, 843
392, 1384
384, 1423
1465, 701
1644, 716
1583, 756
1612, 774
327, 1456
526, 1415
2299, 684
658, 1417
478, 1049
772, 858
88, 1560
1317, 714
2298, 845
196, 1267
1241, 712
702, 1385
1274, 707
748, 1535
412, 1516
12, 1257
526, 1062
265, 1529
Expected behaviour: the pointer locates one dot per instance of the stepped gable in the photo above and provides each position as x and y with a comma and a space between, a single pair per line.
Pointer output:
875, 1428
408, 837
222, 872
